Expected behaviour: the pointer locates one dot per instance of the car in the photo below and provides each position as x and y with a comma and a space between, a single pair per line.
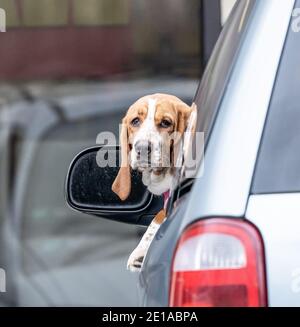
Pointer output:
232, 233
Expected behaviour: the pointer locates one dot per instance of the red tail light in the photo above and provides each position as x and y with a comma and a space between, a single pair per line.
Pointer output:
219, 263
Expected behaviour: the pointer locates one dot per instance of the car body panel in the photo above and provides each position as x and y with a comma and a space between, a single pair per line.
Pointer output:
154, 278
277, 216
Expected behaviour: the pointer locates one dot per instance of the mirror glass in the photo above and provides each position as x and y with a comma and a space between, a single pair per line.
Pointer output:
90, 180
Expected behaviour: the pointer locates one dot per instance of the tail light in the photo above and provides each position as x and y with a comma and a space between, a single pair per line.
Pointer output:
219, 263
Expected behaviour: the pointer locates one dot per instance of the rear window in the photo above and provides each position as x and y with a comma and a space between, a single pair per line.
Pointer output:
278, 166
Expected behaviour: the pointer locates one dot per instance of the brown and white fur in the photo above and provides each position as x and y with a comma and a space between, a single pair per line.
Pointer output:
145, 135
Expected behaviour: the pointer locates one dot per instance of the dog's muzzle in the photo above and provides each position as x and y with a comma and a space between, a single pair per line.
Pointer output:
143, 151
149, 156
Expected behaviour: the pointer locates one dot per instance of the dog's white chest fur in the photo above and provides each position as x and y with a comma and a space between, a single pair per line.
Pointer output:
157, 184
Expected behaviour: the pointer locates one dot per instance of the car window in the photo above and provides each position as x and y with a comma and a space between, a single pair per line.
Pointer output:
278, 163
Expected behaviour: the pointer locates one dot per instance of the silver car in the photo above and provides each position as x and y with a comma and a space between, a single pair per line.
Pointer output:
232, 234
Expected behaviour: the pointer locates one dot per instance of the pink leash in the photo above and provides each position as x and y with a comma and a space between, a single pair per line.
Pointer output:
166, 198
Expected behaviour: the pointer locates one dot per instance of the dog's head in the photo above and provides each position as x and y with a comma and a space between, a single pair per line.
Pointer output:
150, 131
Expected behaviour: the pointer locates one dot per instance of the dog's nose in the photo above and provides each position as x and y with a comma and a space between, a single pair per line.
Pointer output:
143, 148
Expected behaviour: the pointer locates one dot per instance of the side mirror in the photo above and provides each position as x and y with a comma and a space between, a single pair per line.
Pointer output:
88, 189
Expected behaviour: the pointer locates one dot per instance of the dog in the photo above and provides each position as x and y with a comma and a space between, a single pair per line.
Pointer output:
150, 138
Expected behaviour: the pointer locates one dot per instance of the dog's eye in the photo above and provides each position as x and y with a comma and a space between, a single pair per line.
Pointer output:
135, 122
165, 123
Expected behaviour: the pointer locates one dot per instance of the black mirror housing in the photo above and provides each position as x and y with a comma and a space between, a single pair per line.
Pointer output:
88, 189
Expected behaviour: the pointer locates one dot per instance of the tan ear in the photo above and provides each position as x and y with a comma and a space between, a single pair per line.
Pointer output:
122, 183
192, 119
190, 130
183, 114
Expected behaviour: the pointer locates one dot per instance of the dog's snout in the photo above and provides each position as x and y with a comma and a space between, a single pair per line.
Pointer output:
143, 148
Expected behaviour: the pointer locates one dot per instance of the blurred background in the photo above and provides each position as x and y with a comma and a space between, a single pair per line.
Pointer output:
69, 69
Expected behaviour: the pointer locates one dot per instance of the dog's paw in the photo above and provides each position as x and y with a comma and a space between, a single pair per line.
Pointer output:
136, 259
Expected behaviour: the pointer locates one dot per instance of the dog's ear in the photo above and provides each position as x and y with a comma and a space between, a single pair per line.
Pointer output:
122, 183
183, 114
192, 119
190, 130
